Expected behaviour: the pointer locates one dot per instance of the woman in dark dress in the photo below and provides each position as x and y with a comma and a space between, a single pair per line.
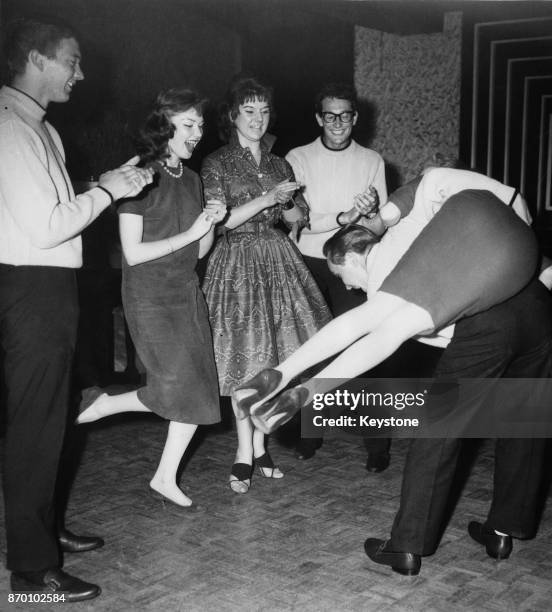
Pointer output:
162, 234
263, 302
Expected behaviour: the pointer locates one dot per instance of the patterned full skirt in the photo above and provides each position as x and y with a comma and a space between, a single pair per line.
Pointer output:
263, 303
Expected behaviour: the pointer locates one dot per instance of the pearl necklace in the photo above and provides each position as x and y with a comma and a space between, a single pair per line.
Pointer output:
176, 174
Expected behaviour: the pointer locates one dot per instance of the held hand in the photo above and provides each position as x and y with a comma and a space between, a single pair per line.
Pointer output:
216, 210
126, 181
202, 224
349, 216
365, 206
367, 203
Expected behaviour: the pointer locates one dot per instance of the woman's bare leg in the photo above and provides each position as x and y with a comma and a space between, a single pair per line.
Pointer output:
106, 405
179, 436
366, 353
244, 452
334, 337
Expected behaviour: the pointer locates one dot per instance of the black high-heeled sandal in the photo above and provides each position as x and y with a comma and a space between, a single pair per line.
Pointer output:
261, 385
279, 410
264, 462
242, 473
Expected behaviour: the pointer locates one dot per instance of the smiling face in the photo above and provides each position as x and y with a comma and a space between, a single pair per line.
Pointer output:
336, 135
352, 272
252, 121
188, 132
61, 72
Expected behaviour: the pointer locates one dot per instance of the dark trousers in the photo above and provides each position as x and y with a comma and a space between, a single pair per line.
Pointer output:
340, 300
511, 340
99, 292
38, 323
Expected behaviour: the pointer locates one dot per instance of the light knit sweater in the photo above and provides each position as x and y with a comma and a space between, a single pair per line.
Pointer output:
40, 217
332, 179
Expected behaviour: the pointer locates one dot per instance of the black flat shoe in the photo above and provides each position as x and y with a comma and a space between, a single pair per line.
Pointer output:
378, 462
58, 582
307, 447
404, 563
255, 389
275, 412
497, 546
71, 543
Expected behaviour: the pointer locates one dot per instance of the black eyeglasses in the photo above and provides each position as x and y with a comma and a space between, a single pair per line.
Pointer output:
344, 117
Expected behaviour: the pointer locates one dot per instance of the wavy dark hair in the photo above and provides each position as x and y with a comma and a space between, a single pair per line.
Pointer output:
349, 239
340, 91
23, 35
242, 89
158, 129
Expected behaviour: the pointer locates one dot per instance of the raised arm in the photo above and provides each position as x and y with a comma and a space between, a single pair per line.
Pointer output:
213, 186
46, 217
131, 227
439, 184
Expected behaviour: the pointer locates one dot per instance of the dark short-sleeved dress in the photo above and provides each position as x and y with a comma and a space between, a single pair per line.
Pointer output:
165, 308
475, 253
263, 301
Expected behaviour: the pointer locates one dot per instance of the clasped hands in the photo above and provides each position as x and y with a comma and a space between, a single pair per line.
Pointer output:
214, 211
126, 181
283, 192
365, 205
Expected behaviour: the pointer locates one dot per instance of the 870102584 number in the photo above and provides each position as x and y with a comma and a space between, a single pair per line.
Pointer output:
36, 597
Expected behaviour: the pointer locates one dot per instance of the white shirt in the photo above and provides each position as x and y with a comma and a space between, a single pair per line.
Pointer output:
437, 185
332, 179
40, 217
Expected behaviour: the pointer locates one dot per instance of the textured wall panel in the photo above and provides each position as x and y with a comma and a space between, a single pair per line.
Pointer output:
548, 189
414, 84
544, 154
486, 72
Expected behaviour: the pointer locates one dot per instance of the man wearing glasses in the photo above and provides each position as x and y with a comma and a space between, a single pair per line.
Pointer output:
343, 181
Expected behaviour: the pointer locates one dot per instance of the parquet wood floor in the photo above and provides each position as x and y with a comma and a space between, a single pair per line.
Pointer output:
292, 544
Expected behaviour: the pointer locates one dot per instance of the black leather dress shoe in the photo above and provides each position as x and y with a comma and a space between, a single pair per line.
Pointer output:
404, 563
497, 546
378, 462
71, 543
58, 582
307, 447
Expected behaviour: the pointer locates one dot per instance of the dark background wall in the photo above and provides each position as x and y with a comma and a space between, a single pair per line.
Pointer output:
134, 48
131, 50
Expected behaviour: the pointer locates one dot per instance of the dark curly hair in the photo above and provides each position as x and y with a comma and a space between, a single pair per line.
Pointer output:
242, 89
340, 91
23, 35
349, 239
158, 129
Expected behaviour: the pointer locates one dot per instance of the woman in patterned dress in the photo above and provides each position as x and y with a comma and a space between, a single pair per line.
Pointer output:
163, 232
263, 302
